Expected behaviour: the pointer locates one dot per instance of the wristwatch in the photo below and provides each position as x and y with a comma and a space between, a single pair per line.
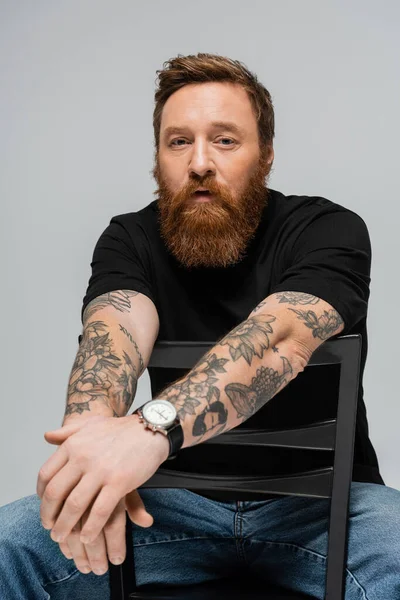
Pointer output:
161, 415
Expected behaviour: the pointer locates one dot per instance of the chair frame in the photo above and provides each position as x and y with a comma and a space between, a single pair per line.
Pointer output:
337, 435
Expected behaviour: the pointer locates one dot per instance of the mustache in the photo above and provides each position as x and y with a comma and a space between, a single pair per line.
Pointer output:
222, 197
207, 183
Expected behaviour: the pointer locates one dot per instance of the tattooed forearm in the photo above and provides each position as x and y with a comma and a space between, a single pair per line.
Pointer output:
99, 375
120, 300
248, 399
206, 396
197, 388
223, 390
296, 298
322, 327
250, 338
128, 335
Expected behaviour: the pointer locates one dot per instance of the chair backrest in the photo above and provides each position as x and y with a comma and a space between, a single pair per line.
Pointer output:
335, 435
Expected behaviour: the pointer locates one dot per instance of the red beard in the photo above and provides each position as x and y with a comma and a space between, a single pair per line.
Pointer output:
214, 233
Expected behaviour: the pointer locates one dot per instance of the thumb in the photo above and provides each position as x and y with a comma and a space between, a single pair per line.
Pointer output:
137, 511
58, 436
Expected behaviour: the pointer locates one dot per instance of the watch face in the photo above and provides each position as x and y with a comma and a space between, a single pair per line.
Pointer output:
159, 412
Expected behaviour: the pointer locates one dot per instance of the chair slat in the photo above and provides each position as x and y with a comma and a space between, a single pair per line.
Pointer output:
316, 483
319, 436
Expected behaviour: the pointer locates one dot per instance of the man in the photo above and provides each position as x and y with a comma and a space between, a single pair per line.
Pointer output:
218, 256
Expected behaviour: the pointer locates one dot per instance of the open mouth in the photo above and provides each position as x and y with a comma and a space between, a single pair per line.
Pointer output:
200, 196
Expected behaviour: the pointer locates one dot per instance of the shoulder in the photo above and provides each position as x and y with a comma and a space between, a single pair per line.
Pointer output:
133, 228
318, 216
145, 217
306, 205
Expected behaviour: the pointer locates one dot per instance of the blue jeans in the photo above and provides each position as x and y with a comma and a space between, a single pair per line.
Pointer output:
195, 539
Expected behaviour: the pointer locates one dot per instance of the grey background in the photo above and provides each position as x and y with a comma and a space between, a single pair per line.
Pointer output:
76, 147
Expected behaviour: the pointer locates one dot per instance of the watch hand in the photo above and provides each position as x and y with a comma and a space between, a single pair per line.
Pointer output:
161, 414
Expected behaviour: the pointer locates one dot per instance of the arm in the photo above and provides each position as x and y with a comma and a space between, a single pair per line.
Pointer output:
119, 331
251, 364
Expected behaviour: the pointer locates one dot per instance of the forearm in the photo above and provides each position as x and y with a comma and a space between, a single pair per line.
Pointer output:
240, 374
107, 366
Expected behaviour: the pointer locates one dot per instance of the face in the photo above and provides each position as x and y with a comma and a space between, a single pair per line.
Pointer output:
211, 174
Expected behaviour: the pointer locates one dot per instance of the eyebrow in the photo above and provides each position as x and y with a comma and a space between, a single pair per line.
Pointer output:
225, 125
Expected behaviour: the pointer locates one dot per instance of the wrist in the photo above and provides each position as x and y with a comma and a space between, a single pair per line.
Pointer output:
160, 440
73, 417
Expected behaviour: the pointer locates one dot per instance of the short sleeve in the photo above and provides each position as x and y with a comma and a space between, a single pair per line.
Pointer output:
331, 259
116, 264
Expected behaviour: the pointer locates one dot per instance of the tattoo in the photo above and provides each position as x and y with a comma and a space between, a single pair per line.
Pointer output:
199, 383
295, 298
93, 375
250, 338
275, 349
128, 335
127, 381
249, 399
322, 327
120, 300
259, 306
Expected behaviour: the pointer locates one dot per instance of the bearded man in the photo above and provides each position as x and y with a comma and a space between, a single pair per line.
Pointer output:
221, 257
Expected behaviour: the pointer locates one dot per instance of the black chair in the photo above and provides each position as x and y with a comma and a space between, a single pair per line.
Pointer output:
335, 435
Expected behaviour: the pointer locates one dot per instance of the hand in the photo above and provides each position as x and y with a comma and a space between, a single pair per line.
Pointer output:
109, 544
111, 540
97, 464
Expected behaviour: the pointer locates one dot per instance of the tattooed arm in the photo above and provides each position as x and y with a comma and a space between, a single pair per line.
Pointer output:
251, 364
119, 331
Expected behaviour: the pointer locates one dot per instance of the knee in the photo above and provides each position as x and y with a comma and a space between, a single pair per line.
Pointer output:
19, 520
375, 517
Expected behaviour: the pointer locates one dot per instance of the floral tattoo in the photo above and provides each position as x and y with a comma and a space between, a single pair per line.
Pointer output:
98, 374
250, 338
198, 386
322, 327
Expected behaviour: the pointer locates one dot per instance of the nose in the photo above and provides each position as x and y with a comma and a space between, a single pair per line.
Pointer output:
201, 163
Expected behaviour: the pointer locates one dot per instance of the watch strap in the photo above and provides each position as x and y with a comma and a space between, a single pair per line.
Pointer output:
175, 438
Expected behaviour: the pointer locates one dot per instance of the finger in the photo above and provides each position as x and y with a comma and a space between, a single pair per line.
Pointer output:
62, 433
97, 550
77, 549
137, 511
114, 533
97, 554
102, 509
81, 497
65, 549
50, 468
56, 492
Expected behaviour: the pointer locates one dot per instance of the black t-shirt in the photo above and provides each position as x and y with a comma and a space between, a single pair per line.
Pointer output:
305, 244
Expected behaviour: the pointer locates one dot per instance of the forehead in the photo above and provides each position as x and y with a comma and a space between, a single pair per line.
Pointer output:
198, 105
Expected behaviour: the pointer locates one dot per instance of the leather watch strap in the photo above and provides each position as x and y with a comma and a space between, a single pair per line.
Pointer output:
175, 437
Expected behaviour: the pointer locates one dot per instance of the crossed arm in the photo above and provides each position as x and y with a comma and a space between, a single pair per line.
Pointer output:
105, 461
240, 374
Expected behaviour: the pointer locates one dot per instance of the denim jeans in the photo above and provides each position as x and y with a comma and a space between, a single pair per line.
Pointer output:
195, 539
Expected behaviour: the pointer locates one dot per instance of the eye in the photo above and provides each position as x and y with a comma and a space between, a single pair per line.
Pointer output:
226, 140
175, 142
